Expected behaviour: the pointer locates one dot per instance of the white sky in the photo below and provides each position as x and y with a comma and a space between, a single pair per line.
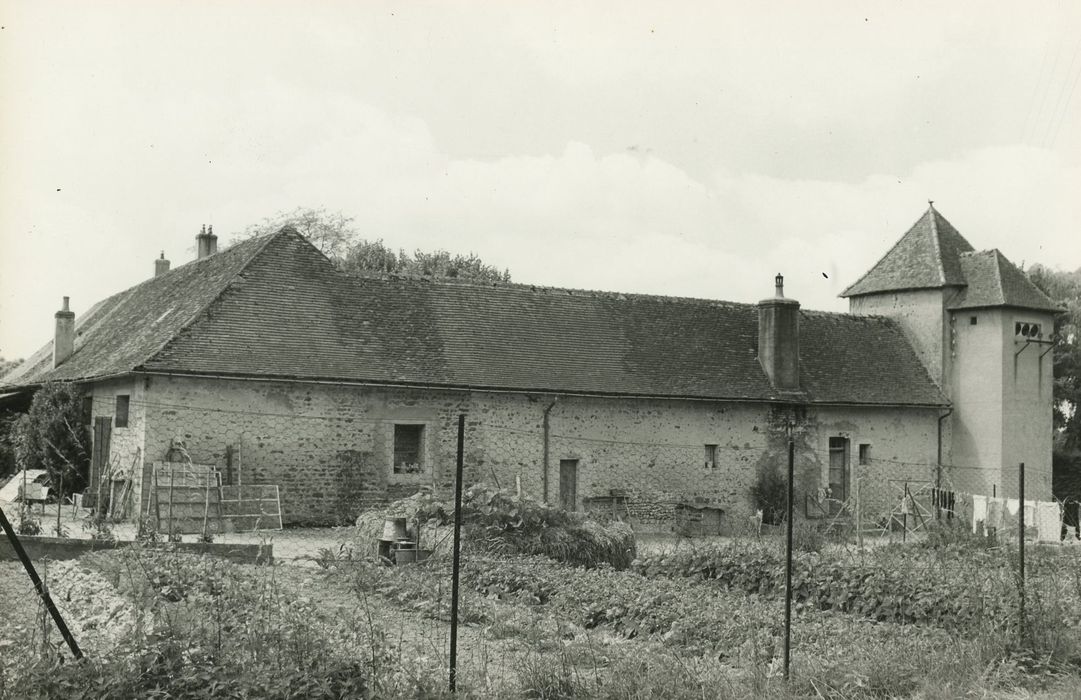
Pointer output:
690, 149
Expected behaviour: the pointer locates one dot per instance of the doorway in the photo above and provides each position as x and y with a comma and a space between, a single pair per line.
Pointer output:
838, 476
568, 484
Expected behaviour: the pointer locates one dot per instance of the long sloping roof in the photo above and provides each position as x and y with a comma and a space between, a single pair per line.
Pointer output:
277, 308
992, 280
927, 256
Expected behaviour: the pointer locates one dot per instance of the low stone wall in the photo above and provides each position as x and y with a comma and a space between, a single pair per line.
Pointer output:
66, 548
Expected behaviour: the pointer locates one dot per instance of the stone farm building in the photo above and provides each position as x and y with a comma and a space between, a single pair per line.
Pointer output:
345, 391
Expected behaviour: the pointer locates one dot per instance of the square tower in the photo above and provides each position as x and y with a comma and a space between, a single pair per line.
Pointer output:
982, 331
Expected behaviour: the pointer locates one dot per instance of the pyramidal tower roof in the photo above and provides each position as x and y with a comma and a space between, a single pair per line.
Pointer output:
933, 255
928, 256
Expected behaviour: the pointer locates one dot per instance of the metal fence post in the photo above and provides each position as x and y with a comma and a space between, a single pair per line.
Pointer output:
39, 586
788, 553
859, 510
1021, 546
457, 554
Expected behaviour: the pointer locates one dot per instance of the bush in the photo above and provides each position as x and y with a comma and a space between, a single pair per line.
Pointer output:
769, 493
52, 436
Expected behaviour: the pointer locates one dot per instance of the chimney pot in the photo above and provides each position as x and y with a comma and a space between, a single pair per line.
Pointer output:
778, 338
206, 242
64, 338
161, 265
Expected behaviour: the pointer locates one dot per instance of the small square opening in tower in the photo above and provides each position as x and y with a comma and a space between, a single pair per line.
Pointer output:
972, 320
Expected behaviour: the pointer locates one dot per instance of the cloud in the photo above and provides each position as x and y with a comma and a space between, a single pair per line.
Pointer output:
690, 153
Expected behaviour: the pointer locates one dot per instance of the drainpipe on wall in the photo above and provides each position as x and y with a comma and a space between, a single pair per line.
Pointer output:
547, 415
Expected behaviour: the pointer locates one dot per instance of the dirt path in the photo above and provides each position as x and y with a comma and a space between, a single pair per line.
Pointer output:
417, 640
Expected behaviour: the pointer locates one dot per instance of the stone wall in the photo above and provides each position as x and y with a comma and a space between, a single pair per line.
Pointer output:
329, 447
125, 442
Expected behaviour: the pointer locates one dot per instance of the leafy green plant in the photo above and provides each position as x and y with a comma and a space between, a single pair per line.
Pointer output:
28, 524
99, 527
147, 530
327, 558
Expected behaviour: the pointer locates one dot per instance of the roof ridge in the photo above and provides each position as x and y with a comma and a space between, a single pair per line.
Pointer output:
996, 254
525, 286
936, 242
221, 290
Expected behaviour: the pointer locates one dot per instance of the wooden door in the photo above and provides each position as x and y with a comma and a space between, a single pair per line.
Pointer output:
99, 457
838, 470
568, 484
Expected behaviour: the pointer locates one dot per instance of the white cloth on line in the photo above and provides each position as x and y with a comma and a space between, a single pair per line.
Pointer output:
1048, 521
979, 511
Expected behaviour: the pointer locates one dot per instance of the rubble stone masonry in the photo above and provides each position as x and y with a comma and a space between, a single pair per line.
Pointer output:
330, 446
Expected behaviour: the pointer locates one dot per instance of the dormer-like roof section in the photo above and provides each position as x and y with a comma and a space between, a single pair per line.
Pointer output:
129, 328
995, 281
926, 257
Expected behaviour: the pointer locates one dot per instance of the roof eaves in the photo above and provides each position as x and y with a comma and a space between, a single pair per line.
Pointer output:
778, 397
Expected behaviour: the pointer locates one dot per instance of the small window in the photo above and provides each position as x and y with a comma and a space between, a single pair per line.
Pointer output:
711, 456
972, 320
122, 401
88, 410
408, 449
865, 453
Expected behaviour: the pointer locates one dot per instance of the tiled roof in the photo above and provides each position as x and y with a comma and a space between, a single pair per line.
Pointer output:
276, 307
927, 256
122, 331
995, 281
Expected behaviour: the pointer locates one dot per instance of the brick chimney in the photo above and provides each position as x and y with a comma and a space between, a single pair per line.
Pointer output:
64, 340
206, 242
778, 339
161, 265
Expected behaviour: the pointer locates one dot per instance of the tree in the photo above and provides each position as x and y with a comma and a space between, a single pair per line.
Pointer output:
368, 256
333, 233
52, 436
330, 232
1064, 288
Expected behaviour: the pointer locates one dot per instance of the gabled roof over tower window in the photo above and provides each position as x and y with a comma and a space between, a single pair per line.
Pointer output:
992, 280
